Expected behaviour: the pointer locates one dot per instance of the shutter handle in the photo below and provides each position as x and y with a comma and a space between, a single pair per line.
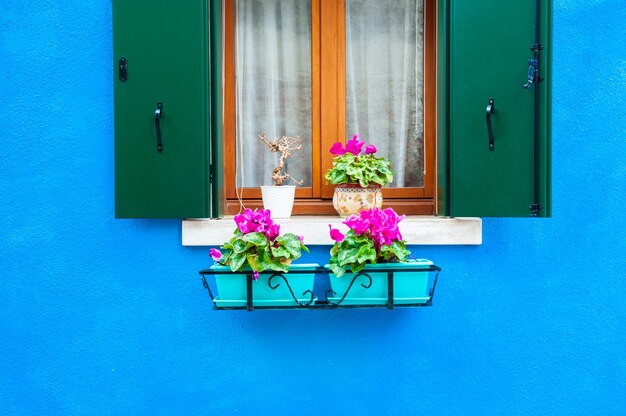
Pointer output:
490, 110
158, 113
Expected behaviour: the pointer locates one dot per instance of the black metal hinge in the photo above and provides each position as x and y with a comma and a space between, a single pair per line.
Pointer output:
536, 48
535, 209
123, 69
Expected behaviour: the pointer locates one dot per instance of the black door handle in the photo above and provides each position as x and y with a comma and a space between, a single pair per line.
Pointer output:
158, 113
490, 110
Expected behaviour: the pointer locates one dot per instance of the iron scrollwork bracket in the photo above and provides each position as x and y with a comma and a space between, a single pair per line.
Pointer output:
293, 295
331, 293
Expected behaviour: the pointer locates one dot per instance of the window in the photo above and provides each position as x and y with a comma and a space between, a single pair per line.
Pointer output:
325, 70
477, 52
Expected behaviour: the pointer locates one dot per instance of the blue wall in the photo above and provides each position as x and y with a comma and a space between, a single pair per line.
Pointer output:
103, 316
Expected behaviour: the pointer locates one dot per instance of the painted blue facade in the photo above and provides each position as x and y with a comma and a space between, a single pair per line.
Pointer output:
104, 316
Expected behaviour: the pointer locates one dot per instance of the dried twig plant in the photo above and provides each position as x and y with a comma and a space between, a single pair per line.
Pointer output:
283, 145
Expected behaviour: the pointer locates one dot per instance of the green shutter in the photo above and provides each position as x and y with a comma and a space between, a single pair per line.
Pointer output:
166, 45
488, 49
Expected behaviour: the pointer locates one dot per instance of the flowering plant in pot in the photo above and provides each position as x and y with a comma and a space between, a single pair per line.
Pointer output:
372, 246
358, 175
257, 246
373, 237
279, 197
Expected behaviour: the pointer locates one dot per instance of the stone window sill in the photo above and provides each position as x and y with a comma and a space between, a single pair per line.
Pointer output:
416, 230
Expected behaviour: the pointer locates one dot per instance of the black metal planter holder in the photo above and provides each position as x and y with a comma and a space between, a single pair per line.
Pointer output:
277, 278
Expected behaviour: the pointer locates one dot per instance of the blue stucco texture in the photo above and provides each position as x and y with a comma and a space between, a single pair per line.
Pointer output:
101, 316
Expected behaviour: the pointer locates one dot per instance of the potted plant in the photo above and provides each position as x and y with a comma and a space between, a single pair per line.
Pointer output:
373, 246
358, 174
257, 248
278, 198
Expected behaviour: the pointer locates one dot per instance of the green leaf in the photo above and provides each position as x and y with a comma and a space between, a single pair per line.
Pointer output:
239, 246
354, 172
400, 250
347, 256
252, 260
385, 252
357, 267
293, 245
351, 240
366, 253
263, 261
236, 261
337, 176
257, 239
341, 165
226, 256
280, 252
337, 269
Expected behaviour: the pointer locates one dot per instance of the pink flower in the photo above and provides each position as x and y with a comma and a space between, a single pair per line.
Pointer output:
370, 149
359, 224
337, 149
244, 221
335, 234
355, 145
272, 232
215, 254
259, 221
301, 238
380, 225
255, 275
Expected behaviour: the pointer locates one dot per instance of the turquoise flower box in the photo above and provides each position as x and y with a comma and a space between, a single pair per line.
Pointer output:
294, 288
371, 285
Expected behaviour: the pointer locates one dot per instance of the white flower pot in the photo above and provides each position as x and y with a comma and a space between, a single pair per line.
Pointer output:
278, 199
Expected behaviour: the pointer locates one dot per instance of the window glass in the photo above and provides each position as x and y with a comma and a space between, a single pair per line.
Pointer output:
384, 82
273, 86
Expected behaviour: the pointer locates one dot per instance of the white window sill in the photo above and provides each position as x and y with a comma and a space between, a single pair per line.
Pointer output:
416, 230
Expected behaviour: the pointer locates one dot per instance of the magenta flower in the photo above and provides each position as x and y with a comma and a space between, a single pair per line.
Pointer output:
380, 225
244, 221
359, 224
257, 221
255, 275
355, 145
301, 238
370, 149
337, 149
215, 254
335, 234
272, 231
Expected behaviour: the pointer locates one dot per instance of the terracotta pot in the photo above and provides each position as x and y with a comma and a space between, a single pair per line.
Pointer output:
352, 198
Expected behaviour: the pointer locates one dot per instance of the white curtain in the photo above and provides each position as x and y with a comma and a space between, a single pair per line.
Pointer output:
273, 84
384, 81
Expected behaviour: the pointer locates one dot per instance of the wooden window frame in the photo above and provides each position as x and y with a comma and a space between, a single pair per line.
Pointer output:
328, 49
